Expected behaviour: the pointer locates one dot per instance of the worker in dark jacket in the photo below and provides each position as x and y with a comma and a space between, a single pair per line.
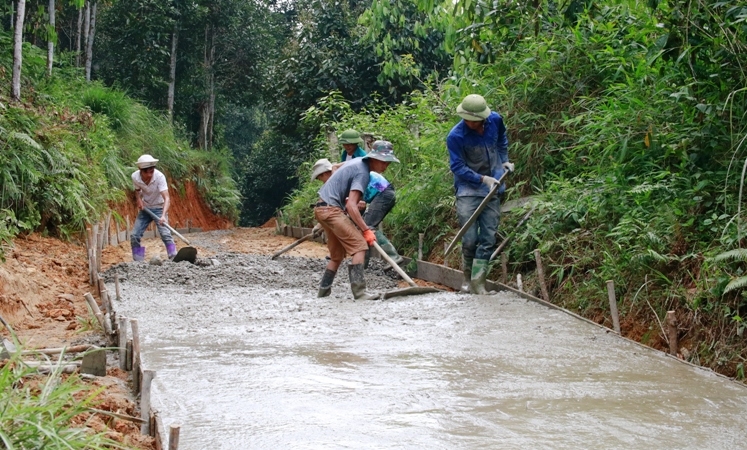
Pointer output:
478, 156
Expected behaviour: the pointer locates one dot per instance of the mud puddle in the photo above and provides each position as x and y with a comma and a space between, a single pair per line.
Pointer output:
247, 357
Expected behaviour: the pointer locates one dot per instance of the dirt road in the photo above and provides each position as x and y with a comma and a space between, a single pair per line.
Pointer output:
247, 357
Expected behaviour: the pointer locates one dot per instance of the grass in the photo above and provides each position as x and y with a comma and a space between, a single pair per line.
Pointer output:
50, 412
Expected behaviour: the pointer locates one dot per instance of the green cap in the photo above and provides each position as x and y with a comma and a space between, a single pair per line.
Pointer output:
350, 136
473, 108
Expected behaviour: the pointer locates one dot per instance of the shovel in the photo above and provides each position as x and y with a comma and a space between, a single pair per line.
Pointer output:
413, 290
292, 246
185, 253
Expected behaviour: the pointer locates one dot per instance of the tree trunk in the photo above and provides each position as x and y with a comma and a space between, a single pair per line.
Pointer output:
86, 29
205, 135
89, 44
15, 87
172, 70
77, 37
50, 39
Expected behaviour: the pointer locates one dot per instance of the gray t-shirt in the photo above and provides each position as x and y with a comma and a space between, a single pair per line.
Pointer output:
351, 176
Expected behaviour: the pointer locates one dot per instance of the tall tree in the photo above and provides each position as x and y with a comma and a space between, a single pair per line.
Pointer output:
172, 70
15, 86
51, 38
89, 41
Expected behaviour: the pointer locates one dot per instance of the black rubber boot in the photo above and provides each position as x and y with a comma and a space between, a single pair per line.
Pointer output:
358, 283
467, 271
325, 286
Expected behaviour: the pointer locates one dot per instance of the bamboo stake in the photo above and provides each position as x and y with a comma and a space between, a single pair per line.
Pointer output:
671, 321
99, 247
116, 286
613, 305
541, 275
127, 231
54, 351
174, 437
148, 376
122, 342
96, 310
135, 355
519, 284
504, 268
420, 246
446, 246
128, 356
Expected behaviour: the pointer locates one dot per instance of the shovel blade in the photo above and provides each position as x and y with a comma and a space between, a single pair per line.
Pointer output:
186, 254
410, 291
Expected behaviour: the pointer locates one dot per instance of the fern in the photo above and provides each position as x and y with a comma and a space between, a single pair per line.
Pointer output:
735, 284
739, 254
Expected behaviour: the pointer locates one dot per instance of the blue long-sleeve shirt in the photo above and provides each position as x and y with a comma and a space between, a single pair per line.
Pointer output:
472, 155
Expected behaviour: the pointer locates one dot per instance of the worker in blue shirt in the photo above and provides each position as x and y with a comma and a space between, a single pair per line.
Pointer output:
478, 156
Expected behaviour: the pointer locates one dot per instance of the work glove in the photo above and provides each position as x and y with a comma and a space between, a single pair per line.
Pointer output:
508, 166
317, 230
370, 237
489, 181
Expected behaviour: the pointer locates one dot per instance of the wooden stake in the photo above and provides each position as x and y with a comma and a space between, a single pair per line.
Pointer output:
446, 263
122, 342
671, 321
127, 231
541, 275
174, 437
99, 246
128, 356
116, 286
135, 355
504, 268
519, 284
148, 376
420, 246
613, 305
106, 229
105, 299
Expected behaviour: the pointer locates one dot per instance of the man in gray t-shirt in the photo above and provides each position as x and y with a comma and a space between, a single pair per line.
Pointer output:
340, 195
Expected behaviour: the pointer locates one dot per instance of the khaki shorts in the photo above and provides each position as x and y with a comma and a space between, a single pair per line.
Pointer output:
342, 234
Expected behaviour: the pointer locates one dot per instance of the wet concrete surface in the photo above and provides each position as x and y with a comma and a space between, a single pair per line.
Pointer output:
247, 357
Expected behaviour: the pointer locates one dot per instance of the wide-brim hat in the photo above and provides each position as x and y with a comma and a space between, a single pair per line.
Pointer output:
321, 166
146, 161
474, 108
383, 151
350, 136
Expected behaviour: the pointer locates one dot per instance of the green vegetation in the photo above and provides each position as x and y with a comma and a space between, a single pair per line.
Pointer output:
46, 411
624, 127
69, 147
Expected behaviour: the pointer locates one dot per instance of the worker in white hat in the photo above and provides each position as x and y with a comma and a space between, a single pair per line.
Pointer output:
152, 192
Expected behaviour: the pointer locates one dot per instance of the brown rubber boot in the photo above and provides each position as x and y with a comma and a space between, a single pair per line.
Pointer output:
325, 286
358, 283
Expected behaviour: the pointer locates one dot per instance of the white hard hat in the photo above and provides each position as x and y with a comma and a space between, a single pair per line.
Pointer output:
146, 161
